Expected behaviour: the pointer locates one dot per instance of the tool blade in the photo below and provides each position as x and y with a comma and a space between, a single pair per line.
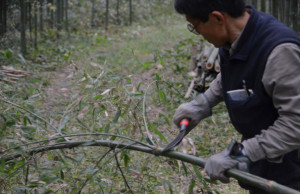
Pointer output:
175, 142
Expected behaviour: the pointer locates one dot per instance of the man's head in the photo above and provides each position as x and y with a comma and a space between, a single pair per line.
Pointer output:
200, 9
218, 21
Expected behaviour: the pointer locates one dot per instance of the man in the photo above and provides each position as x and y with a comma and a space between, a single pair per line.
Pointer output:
260, 84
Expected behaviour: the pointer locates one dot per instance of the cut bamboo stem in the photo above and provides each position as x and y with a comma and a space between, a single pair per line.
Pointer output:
212, 58
207, 52
217, 65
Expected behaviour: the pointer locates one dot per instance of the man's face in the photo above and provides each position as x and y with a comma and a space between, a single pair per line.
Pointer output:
213, 30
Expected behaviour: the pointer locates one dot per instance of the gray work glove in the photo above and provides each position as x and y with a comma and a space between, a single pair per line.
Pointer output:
194, 111
231, 157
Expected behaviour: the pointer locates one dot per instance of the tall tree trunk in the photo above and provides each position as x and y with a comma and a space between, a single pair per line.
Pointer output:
275, 8
58, 11
106, 14
52, 14
118, 12
62, 10
295, 22
270, 6
41, 16
66, 14
23, 27
263, 6
93, 14
35, 9
130, 12
29, 18
254, 2
3, 16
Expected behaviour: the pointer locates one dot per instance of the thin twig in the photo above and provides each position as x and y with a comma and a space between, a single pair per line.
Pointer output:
26, 176
119, 167
144, 114
105, 162
89, 178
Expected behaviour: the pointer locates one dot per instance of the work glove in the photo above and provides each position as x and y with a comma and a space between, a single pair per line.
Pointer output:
232, 157
194, 111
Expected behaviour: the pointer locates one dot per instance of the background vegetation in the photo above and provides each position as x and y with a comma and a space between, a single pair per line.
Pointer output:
118, 67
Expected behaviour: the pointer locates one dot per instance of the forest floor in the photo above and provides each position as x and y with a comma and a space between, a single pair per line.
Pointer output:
113, 82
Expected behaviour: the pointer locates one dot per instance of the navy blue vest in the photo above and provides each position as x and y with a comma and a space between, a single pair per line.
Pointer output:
257, 112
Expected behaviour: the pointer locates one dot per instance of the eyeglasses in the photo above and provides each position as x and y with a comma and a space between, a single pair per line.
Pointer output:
192, 28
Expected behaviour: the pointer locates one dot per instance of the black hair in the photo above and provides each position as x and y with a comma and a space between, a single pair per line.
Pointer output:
200, 9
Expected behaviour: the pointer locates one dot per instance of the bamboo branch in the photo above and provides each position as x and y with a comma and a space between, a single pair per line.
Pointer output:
87, 179
76, 135
119, 167
189, 91
244, 177
144, 114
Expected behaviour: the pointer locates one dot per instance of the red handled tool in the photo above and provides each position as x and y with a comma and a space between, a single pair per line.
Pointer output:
183, 125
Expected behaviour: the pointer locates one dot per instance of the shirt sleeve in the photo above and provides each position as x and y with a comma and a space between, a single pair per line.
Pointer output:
281, 80
214, 92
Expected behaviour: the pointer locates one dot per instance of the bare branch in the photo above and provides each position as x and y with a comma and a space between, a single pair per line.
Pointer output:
119, 167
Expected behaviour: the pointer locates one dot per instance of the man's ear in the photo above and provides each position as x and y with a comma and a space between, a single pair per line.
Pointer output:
218, 16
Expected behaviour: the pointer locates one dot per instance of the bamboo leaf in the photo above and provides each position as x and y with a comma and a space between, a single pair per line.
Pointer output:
126, 158
147, 65
161, 59
162, 96
160, 135
167, 183
107, 127
184, 168
191, 187
63, 123
165, 118
28, 129
82, 124
198, 173
62, 175
98, 97
117, 116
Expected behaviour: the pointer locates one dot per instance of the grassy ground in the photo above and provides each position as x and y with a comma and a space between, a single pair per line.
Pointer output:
124, 81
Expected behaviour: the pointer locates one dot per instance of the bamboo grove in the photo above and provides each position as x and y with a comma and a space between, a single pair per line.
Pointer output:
30, 20
287, 11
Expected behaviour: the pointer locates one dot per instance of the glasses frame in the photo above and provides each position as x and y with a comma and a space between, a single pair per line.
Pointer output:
192, 28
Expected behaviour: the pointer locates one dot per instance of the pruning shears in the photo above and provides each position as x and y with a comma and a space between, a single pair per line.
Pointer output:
183, 126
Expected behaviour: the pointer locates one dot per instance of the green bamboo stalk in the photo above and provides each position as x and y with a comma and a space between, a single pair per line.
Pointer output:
258, 182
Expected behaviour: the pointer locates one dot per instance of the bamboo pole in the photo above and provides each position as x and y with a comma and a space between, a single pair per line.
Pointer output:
258, 182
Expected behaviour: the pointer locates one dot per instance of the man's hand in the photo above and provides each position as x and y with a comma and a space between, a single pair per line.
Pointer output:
231, 157
194, 111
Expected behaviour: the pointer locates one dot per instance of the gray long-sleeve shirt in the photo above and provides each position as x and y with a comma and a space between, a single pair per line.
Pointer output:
281, 81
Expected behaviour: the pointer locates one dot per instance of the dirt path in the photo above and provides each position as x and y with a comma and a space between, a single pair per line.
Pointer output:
60, 93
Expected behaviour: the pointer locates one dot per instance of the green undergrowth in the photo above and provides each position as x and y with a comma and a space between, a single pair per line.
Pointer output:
126, 81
